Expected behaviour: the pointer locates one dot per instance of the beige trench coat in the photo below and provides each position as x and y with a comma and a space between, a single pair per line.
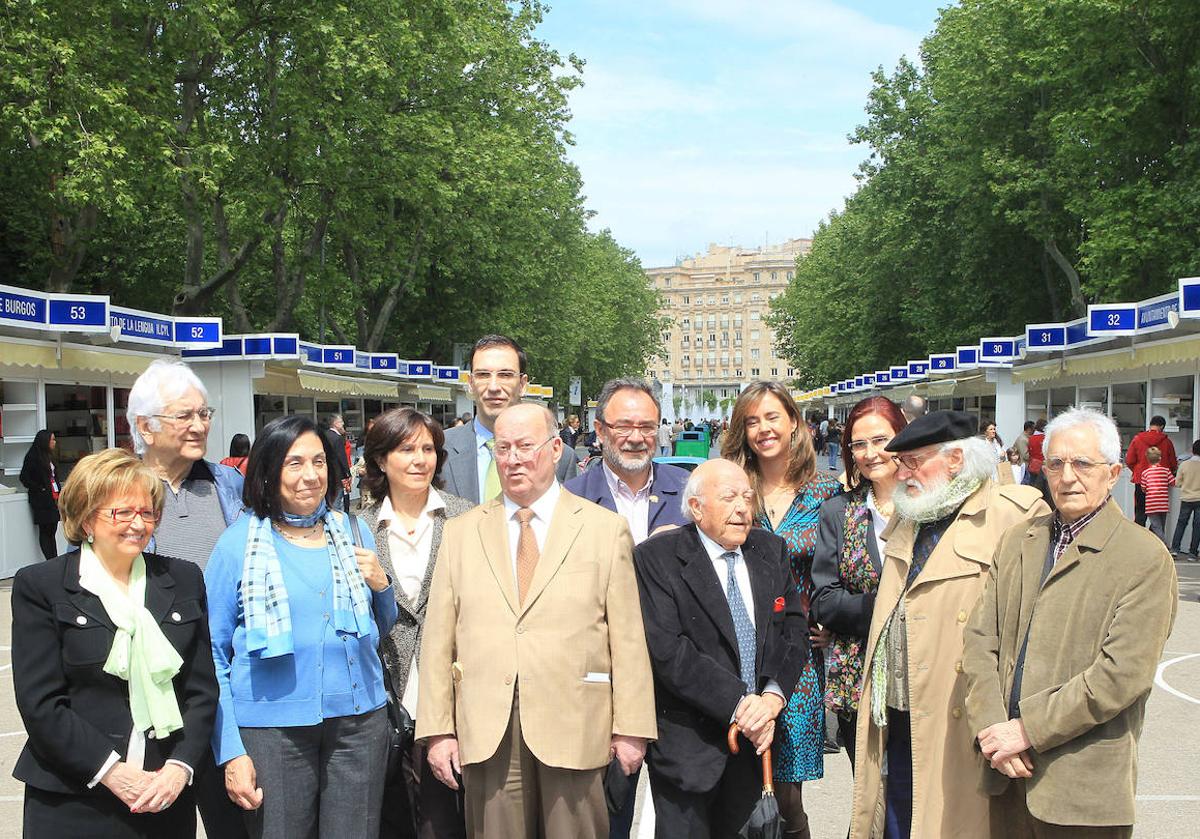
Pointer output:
946, 766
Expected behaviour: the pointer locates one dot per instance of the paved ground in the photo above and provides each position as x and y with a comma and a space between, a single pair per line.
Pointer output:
1168, 783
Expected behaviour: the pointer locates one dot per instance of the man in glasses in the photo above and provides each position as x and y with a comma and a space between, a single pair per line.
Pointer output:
498, 380
1061, 653
949, 517
169, 417
534, 672
628, 482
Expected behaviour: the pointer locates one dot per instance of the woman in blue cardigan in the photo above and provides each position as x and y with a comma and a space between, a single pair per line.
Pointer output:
297, 604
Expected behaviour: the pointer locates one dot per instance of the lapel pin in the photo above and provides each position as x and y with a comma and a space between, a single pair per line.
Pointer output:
653, 499
779, 604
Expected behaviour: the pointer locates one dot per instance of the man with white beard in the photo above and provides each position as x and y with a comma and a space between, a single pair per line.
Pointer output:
646, 494
949, 517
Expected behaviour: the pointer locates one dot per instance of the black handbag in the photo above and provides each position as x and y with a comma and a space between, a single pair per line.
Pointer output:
401, 726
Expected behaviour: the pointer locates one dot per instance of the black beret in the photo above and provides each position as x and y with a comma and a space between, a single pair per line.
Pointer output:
933, 428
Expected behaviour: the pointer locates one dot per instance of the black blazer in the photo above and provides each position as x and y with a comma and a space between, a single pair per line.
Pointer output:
693, 647
75, 714
834, 607
35, 475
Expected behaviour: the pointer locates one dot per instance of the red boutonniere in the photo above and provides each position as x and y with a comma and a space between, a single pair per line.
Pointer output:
778, 604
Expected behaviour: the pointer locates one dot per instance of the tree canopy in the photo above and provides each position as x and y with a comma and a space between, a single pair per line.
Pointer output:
1040, 158
387, 173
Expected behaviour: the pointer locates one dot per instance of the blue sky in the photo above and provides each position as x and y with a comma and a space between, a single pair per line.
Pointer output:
723, 121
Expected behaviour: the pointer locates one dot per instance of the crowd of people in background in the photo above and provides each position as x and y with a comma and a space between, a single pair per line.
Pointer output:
519, 613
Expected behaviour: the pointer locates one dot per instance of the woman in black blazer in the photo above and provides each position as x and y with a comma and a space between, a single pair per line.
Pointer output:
104, 635
849, 554
41, 483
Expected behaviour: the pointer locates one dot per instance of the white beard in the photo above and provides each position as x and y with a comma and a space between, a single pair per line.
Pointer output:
934, 501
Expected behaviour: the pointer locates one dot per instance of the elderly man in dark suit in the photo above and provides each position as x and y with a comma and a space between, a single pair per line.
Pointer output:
498, 380
629, 483
727, 639
1060, 655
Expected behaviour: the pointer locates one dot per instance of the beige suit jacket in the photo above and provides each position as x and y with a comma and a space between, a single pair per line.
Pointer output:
1097, 628
576, 646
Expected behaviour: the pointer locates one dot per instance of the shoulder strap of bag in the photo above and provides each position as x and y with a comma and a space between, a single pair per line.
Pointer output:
355, 534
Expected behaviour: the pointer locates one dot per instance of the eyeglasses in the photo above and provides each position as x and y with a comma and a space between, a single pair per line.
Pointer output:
125, 515
504, 377
628, 430
912, 462
859, 446
205, 415
1081, 466
520, 451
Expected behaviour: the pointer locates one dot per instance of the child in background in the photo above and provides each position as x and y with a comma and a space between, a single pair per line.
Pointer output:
1157, 481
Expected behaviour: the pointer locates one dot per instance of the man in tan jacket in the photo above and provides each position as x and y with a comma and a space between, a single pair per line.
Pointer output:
534, 671
949, 515
1061, 653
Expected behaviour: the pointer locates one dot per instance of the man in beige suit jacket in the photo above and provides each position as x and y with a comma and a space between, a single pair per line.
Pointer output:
534, 671
1061, 653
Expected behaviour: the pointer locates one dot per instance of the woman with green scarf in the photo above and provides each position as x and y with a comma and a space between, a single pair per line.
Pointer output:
112, 666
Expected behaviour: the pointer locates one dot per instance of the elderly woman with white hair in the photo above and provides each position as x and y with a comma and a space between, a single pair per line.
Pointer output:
169, 417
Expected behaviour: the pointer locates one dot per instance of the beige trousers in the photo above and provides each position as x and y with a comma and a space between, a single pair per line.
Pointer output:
512, 795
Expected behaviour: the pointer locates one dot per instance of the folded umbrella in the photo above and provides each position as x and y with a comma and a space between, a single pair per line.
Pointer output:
765, 821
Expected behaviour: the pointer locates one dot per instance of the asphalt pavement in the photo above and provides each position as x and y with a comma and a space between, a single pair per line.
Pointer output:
1168, 801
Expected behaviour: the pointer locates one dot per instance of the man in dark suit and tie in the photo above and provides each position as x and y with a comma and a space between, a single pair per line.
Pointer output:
498, 380
628, 482
727, 639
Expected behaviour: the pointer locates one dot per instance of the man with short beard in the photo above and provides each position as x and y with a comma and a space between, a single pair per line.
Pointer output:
628, 482
949, 517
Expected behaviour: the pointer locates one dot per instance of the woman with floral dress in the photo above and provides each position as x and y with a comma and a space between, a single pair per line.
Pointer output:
849, 556
768, 438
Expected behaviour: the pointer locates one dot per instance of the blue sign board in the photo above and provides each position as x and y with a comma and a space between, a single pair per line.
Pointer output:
337, 356
1112, 319
420, 368
967, 357
197, 332
445, 374
310, 353
869, 380
143, 327
997, 350
1154, 315
19, 307
899, 374
257, 345
1046, 337
286, 345
1189, 297
917, 368
858, 381
883, 377
942, 363
384, 362
78, 313
230, 348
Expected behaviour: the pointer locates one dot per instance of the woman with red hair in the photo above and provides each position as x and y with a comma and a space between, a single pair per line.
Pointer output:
849, 553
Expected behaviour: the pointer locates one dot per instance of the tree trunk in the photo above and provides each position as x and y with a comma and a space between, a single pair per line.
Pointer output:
392, 298
69, 241
1078, 304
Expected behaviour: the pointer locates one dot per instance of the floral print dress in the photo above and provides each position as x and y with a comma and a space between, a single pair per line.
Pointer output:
799, 749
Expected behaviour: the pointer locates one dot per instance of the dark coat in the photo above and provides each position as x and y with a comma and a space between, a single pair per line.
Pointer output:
834, 606
665, 493
693, 646
35, 477
75, 714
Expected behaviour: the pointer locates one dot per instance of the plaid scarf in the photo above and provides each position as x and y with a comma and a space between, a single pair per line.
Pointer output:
268, 618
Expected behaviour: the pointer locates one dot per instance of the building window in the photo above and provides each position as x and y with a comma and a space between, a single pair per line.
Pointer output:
712, 300
737, 298
724, 299
773, 275
687, 360
687, 323
754, 315
757, 278
755, 297
774, 372
738, 373
754, 353
712, 336
790, 274
667, 282
687, 298
754, 372
791, 371
754, 334
725, 374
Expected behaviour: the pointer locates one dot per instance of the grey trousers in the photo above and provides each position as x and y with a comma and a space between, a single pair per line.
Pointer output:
320, 781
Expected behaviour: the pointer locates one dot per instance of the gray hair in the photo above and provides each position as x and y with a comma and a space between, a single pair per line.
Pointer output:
690, 490
165, 380
1107, 436
979, 458
914, 406
613, 385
